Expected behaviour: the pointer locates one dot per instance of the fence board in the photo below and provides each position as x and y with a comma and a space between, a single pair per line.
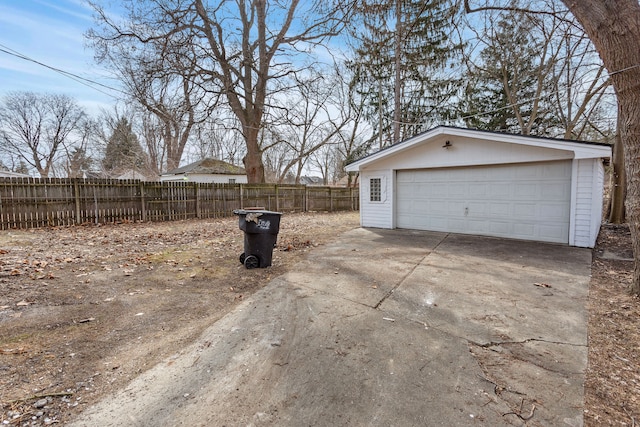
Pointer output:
44, 202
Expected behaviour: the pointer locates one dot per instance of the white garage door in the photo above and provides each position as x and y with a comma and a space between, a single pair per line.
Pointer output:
525, 201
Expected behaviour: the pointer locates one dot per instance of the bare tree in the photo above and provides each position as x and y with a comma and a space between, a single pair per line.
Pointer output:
535, 74
221, 139
160, 78
240, 49
39, 127
309, 121
82, 157
353, 140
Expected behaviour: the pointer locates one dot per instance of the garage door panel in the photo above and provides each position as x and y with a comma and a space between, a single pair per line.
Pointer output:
526, 173
499, 228
438, 190
527, 191
457, 190
456, 225
524, 231
500, 209
479, 189
525, 201
526, 210
552, 170
477, 209
553, 211
455, 208
555, 191
438, 210
499, 191
551, 231
476, 226
421, 205
438, 223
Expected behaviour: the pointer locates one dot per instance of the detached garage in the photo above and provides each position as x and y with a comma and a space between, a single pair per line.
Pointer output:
486, 183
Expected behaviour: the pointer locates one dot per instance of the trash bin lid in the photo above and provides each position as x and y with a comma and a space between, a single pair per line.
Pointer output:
255, 211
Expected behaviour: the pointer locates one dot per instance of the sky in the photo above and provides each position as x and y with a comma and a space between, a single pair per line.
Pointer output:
51, 32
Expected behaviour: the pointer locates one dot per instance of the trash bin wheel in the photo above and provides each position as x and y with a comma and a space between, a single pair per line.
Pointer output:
251, 261
242, 257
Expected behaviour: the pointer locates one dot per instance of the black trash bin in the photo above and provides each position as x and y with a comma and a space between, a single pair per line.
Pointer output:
260, 234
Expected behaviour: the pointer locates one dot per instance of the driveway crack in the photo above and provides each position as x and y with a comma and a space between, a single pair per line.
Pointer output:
392, 290
528, 340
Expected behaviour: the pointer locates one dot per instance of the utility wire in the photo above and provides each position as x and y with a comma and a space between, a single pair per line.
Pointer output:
82, 80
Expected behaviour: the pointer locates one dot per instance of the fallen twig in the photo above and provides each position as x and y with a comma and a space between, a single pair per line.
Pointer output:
633, 420
40, 396
523, 418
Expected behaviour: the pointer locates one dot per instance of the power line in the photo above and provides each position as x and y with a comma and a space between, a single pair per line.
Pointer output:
82, 80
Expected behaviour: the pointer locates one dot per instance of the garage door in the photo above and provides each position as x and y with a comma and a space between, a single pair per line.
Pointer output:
525, 201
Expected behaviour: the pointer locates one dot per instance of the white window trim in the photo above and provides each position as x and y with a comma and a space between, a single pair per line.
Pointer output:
383, 192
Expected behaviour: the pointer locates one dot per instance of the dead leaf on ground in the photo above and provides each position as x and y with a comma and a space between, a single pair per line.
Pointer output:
24, 303
17, 350
542, 285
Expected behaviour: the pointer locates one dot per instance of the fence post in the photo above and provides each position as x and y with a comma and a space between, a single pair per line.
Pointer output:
241, 197
143, 205
76, 195
277, 199
306, 198
198, 213
330, 200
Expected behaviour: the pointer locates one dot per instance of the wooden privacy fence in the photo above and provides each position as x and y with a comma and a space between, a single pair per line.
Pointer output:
42, 202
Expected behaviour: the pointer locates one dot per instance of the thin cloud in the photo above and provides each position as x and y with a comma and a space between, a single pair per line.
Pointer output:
68, 11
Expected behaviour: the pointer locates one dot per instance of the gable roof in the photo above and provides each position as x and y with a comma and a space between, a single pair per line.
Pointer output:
581, 149
208, 166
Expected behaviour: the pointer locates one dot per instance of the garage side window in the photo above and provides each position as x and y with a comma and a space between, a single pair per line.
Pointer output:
375, 189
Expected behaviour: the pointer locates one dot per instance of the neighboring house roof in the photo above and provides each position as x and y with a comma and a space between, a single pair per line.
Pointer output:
311, 180
9, 174
208, 166
582, 149
133, 174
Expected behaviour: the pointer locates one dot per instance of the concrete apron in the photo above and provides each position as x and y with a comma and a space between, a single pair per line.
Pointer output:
386, 328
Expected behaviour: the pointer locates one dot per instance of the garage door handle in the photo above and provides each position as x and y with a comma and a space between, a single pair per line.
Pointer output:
466, 211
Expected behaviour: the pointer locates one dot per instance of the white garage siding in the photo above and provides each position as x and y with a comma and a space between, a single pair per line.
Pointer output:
377, 214
588, 202
528, 201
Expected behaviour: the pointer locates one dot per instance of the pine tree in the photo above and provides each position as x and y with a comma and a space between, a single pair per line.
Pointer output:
509, 89
402, 55
123, 150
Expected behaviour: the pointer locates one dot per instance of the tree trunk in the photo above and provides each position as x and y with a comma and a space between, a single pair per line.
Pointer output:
614, 28
253, 159
397, 87
630, 134
618, 184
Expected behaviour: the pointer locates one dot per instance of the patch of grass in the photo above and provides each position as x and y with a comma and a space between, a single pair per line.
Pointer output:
15, 339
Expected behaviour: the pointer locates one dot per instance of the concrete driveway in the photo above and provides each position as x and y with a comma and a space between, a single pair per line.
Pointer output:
386, 328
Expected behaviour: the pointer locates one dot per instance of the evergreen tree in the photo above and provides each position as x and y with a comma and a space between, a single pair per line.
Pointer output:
402, 55
123, 150
510, 88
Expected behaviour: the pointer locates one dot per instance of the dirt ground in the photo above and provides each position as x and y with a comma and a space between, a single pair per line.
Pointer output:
612, 388
83, 310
